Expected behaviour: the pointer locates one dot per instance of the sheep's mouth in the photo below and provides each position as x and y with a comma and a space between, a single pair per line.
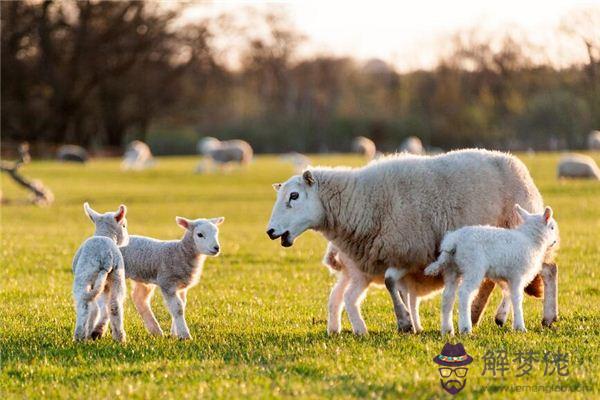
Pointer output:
286, 240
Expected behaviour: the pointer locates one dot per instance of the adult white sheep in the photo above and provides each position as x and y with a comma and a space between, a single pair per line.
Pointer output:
578, 166
364, 146
594, 140
412, 145
394, 211
224, 153
137, 156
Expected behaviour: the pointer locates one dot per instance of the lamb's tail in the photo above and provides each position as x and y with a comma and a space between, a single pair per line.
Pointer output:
446, 255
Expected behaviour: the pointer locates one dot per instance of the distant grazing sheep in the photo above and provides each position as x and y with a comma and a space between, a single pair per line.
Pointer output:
578, 166
174, 266
72, 153
412, 145
394, 212
473, 253
99, 276
224, 153
594, 140
299, 161
137, 156
364, 146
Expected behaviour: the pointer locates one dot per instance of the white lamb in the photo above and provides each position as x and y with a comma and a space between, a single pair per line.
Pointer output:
99, 276
473, 253
349, 291
174, 266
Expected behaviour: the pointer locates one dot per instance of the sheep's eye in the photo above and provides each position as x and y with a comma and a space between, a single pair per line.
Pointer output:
294, 196
200, 235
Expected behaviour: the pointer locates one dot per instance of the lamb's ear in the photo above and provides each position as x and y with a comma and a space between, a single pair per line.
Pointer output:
93, 215
308, 177
120, 213
547, 214
522, 212
277, 186
183, 222
217, 221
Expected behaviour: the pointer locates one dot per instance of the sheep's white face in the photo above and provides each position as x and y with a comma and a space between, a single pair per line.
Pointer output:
545, 221
205, 233
296, 209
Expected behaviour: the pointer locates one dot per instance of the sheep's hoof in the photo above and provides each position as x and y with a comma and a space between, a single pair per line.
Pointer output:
333, 332
520, 329
548, 322
500, 322
96, 335
449, 332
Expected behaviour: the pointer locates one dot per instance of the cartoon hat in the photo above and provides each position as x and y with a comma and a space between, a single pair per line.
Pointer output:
453, 355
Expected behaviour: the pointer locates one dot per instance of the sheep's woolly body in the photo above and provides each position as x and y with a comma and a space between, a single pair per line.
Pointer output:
578, 166
397, 209
594, 140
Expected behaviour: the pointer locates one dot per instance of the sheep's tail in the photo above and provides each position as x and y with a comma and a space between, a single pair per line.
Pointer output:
446, 255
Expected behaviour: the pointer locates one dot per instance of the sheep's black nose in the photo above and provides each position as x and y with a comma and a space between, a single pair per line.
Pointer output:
216, 248
271, 233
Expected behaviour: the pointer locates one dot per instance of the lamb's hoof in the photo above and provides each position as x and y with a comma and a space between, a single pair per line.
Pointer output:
465, 331
96, 335
448, 332
406, 328
500, 322
185, 337
333, 332
547, 322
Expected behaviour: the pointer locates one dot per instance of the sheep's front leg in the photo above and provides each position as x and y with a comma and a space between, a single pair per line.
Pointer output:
183, 296
516, 294
353, 296
413, 301
550, 278
448, 297
141, 295
336, 304
177, 310
392, 277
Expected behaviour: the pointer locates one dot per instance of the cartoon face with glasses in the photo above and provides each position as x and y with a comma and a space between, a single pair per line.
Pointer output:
453, 373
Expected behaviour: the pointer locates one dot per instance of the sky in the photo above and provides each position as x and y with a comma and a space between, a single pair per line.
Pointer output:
411, 34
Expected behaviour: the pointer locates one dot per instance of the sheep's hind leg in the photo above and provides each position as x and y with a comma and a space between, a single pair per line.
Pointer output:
336, 304
116, 299
141, 295
448, 297
466, 291
503, 308
100, 326
92, 317
403, 320
550, 278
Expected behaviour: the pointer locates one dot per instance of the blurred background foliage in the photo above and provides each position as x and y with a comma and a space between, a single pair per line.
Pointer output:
100, 74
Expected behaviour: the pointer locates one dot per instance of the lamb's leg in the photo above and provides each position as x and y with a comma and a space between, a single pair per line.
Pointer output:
92, 317
466, 292
141, 295
353, 296
550, 277
183, 296
516, 295
448, 296
82, 310
103, 301
336, 304
115, 304
392, 277
414, 301
480, 300
503, 308
177, 311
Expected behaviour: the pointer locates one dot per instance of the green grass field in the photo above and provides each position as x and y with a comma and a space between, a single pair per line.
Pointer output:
258, 314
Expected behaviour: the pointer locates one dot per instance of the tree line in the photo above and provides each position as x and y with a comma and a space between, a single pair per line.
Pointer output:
102, 73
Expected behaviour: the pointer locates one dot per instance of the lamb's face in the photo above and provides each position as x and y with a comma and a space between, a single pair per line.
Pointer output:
544, 221
296, 209
205, 233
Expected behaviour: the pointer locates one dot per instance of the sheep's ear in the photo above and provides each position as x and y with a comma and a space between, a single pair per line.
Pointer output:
183, 222
93, 215
217, 221
308, 177
120, 213
277, 186
547, 214
521, 212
